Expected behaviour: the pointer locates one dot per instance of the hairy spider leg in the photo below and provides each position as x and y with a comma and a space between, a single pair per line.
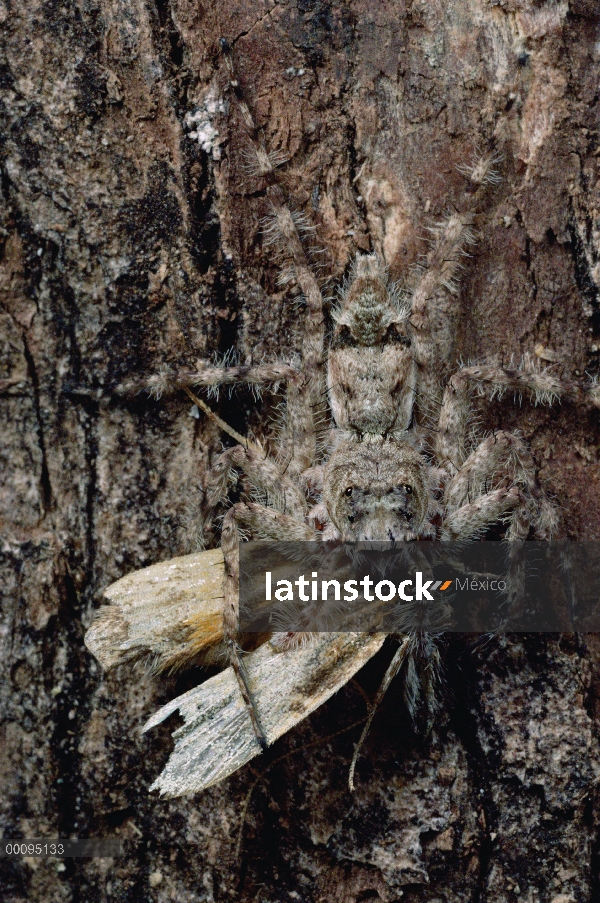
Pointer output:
268, 524
433, 311
541, 385
264, 476
499, 457
496, 480
485, 484
304, 396
210, 376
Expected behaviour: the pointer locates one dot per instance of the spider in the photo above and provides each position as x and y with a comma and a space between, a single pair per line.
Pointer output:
392, 454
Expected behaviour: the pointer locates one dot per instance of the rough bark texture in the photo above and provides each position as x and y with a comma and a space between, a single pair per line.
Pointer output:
129, 244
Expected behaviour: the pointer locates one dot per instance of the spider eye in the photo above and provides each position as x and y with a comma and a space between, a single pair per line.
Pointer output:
349, 491
408, 489
351, 518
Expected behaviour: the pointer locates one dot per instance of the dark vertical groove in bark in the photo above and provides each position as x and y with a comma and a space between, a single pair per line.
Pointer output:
45, 486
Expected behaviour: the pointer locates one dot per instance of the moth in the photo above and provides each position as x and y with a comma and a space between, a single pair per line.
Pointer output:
171, 613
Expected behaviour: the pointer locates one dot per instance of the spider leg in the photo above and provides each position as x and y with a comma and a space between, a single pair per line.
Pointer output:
542, 386
432, 309
312, 479
501, 457
269, 524
429, 680
209, 375
453, 424
472, 518
473, 505
263, 474
212, 376
502, 449
305, 395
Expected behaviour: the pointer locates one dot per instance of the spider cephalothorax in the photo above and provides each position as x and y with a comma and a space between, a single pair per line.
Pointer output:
377, 490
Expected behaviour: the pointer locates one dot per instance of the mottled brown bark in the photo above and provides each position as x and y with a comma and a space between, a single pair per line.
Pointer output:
128, 244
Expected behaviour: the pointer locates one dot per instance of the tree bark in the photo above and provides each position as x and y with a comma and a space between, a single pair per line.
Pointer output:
132, 240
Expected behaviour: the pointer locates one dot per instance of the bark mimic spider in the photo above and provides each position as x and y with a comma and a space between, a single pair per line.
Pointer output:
395, 455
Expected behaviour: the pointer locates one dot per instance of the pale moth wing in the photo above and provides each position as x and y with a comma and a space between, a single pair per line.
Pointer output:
217, 736
166, 614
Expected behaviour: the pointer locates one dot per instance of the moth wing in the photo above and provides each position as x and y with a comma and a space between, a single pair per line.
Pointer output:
217, 736
166, 614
